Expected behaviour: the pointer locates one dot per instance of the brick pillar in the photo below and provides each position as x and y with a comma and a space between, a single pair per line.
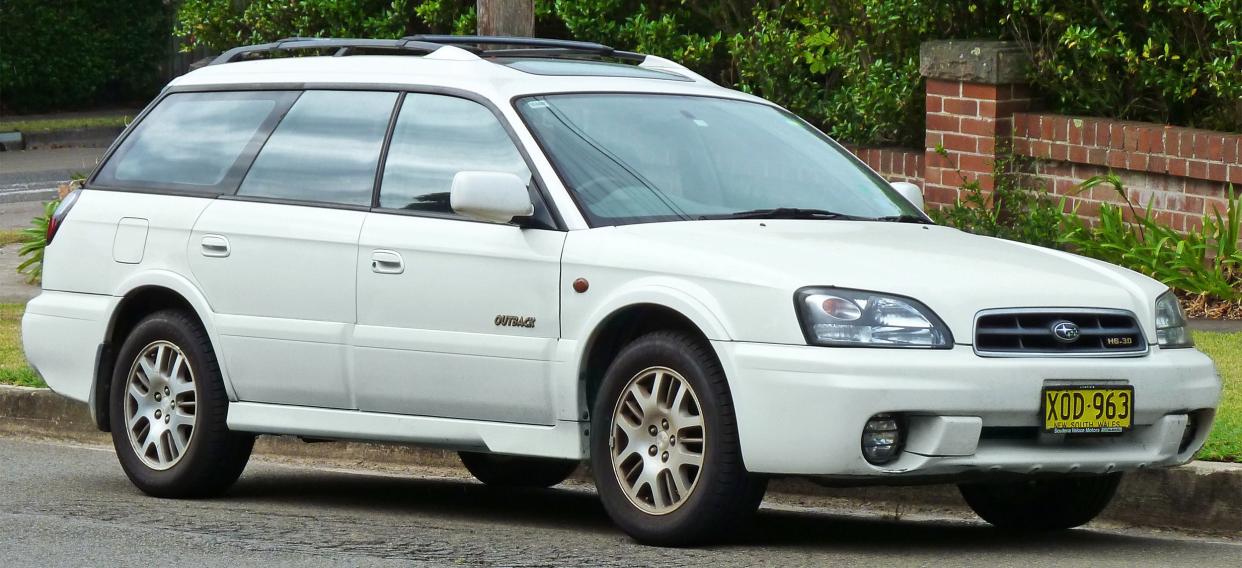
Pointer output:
973, 90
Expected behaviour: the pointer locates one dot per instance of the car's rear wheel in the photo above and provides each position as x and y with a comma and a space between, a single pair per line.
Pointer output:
517, 471
168, 409
1046, 504
664, 444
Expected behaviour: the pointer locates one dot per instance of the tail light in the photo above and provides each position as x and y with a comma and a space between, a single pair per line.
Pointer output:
58, 217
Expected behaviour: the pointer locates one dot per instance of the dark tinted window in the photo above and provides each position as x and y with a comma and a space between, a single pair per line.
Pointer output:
437, 136
325, 149
195, 141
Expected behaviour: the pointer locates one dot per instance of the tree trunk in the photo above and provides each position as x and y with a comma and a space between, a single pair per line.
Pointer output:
506, 17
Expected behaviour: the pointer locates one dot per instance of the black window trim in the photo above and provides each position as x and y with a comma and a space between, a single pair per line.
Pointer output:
558, 222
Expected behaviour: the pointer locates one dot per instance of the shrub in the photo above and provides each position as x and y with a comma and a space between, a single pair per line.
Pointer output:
691, 32
34, 240
223, 24
1176, 61
853, 66
1204, 265
1010, 211
850, 66
76, 53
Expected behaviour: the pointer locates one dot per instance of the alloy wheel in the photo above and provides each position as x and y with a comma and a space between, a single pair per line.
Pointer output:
160, 404
657, 440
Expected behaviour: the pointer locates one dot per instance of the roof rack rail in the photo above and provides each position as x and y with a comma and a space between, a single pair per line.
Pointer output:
534, 46
343, 46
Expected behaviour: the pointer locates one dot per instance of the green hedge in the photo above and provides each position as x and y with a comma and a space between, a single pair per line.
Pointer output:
850, 66
74, 53
1174, 61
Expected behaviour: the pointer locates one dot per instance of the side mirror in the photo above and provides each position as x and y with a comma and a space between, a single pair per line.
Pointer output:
495, 197
912, 193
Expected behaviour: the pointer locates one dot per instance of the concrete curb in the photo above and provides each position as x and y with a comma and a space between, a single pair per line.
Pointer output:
87, 137
1201, 496
1219, 326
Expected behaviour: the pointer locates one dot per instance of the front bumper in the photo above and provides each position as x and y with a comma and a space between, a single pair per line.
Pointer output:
801, 410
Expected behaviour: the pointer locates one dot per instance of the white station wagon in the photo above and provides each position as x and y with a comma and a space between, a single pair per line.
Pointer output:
539, 252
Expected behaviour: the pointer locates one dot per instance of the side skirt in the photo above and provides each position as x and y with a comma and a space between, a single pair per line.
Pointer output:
565, 440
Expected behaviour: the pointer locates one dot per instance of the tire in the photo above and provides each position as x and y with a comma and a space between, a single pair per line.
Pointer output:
517, 471
641, 495
192, 454
1049, 504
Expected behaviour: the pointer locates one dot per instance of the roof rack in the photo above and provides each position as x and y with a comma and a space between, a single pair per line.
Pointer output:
533, 46
425, 44
343, 46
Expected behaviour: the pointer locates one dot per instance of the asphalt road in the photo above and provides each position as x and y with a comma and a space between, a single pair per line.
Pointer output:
32, 175
65, 505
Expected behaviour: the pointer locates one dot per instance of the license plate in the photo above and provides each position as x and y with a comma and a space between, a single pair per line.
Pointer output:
1087, 409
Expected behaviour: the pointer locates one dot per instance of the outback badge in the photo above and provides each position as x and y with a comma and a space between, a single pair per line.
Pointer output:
514, 321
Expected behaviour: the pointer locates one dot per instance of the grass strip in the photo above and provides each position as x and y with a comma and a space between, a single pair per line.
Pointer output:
51, 124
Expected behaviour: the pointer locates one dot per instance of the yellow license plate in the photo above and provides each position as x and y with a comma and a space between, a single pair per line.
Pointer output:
1087, 409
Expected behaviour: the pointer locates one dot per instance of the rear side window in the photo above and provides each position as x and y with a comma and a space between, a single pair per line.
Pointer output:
326, 149
195, 141
437, 136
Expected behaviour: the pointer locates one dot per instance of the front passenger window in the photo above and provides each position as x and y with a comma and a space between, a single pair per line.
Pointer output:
437, 136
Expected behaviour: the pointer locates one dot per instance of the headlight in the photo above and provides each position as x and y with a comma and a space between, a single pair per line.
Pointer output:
856, 318
1171, 329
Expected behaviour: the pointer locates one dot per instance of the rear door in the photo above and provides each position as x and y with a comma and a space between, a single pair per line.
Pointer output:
277, 261
456, 318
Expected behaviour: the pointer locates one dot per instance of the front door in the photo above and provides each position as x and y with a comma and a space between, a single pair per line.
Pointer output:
456, 318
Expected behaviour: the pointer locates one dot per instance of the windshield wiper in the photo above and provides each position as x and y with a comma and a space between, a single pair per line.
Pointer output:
790, 213
905, 219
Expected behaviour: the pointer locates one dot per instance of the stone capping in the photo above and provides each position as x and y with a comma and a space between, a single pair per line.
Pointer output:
1136, 146
974, 61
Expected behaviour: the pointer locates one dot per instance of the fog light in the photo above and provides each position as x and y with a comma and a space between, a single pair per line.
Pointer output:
881, 439
1188, 435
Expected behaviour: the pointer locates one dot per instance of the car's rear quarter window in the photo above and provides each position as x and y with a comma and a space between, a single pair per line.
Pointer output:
198, 142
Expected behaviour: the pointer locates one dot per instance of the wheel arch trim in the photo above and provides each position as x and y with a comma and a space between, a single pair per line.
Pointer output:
690, 302
186, 291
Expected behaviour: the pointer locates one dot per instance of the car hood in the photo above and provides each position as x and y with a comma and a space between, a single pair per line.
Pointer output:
956, 274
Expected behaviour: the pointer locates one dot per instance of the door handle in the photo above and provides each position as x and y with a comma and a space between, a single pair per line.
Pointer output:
215, 246
386, 262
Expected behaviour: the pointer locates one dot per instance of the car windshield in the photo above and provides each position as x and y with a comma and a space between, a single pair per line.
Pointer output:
641, 158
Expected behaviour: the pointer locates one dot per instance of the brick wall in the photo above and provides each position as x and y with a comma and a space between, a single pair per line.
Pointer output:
895, 164
966, 120
977, 106
1183, 173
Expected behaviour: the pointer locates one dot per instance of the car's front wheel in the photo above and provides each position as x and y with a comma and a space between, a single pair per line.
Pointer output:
168, 409
664, 444
1045, 504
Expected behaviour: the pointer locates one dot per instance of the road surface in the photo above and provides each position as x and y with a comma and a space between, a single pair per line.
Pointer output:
63, 505
33, 175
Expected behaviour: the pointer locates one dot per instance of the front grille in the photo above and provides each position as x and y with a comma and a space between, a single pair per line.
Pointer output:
1030, 332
